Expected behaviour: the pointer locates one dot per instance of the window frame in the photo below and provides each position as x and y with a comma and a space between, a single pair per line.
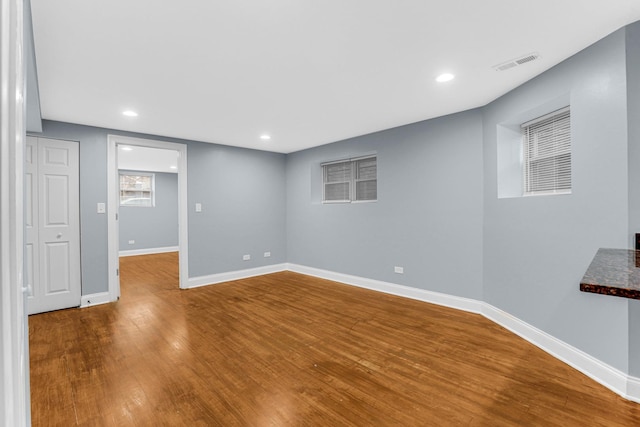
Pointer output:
151, 191
560, 146
352, 181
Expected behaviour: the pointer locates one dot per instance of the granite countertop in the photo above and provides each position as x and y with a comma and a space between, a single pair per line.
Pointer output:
613, 272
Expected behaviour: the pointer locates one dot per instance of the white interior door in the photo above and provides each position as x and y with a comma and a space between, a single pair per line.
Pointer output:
52, 224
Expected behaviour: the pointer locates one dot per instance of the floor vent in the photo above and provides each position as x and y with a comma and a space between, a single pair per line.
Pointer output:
516, 62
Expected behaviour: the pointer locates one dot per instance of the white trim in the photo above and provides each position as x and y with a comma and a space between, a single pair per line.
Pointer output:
14, 357
212, 279
617, 381
149, 251
95, 299
633, 389
608, 376
113, 185
460, 303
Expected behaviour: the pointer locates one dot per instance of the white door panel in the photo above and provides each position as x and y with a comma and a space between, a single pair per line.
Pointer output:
56, 277
54, 206
56, 156
56, 201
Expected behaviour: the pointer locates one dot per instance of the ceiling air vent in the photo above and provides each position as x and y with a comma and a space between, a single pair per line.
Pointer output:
516, 62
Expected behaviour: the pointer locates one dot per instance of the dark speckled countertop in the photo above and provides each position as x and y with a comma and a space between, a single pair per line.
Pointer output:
613, 272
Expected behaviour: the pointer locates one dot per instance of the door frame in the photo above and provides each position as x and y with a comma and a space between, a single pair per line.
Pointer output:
113, 206
14, 352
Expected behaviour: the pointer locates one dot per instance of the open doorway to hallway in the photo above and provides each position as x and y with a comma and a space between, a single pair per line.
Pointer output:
148, 210
147, 203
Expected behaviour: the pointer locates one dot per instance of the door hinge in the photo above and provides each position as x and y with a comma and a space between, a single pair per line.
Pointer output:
116, 216
117, 271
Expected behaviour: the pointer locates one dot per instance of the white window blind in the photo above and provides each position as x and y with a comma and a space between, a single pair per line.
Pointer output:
350, 180
366, 182
337, 182
547, 154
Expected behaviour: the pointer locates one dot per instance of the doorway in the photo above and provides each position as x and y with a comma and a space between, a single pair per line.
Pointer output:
114, 142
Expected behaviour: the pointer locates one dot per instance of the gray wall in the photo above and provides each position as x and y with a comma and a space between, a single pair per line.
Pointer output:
633, 124
247, 219
155, 226
242, 193
428, 217
536, 249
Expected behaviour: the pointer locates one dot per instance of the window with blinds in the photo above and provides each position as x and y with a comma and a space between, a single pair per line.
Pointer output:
547, 154
350, 180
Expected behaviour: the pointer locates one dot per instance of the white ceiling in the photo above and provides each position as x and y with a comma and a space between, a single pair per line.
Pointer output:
307, 72
147, 159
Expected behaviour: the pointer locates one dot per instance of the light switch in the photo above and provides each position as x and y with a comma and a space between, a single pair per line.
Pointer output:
101, 208
198, 207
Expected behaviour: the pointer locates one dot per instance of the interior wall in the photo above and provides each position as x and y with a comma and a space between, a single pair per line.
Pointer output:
536, 249
633, 123
242, 192
154, 226
428, 217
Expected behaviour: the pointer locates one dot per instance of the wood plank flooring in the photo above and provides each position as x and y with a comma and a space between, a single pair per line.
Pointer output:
291, 350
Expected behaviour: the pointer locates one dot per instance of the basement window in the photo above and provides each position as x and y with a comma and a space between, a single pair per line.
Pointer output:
137, 189
547, 154
350, 180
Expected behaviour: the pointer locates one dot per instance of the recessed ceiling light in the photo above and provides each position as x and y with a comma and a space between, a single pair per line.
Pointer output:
130, 113
173, 167
125, 148
446, 77
265, 137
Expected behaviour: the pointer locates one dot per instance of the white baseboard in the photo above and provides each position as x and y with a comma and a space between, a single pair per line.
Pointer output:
633, 389
212, 279
608, 376
465, 304
149, 251
625, 385
94, 299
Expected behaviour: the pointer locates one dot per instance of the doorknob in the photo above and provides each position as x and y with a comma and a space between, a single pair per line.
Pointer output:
59, 235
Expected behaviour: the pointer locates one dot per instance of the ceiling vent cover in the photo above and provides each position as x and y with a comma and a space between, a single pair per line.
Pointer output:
517, 62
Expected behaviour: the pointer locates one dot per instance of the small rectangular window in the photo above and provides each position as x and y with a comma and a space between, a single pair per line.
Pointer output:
137, 189
350, 180
547, 154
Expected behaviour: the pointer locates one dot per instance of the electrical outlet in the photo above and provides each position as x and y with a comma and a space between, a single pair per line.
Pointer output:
132, 242
399, 270
246, 257
267, 254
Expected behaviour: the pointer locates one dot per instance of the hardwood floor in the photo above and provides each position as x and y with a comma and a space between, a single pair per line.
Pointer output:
289, 350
